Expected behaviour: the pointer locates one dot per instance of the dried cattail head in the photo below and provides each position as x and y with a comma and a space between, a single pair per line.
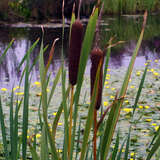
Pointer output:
97, 57
75, 50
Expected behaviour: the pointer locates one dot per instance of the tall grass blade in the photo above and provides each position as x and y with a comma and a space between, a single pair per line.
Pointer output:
86, 48
25, 109
33, 153
11, 125
140, 89
3, 130
44, 102
127, 145
120, 152
5, 51
154, 148
54, 85
115, 151
44, 144
115, 110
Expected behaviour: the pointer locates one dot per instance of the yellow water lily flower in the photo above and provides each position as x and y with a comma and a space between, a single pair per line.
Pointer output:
141, 107
127, 109
148, 120
4, 89
19, 93
146, 107
105, 103
38, 135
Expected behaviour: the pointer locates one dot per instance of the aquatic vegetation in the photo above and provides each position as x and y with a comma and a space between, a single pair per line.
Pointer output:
35, 118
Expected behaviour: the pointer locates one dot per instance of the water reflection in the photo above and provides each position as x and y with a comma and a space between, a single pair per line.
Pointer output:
126, 29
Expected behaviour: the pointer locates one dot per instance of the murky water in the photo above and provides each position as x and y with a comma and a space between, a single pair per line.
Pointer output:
124, 29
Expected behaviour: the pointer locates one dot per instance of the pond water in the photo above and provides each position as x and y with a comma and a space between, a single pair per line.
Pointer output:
125, 28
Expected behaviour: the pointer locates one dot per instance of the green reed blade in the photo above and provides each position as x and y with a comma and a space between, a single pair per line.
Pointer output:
5, 51
127, 145
25, 109
120, 152
56, 79
78, 139
115, 151
72, 21
15, 131
33, 153
86, 48
44, 102
44, 144
66, 128
139, 90
115, 110
57, 117
3, 130
154, 148
11, 125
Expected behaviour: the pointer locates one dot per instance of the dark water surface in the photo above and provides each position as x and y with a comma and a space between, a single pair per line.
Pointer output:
126, 28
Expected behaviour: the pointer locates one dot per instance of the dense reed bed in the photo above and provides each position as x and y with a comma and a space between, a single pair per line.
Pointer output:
131, 6
52, 135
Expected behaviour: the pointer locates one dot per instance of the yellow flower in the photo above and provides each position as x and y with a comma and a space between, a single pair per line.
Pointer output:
154, 124
131, 159
148, 120
47, 89
126, 101
105, 103
59, 124
146, 107
108, 75
132, 86
111, 97
20, 93
106, 82
156, 73
156, 128
38, 135
107, 78
152, 70
156, 60
149, 61
123, 150
132, 154
127, 109
108, 69
54, 113
146, 64
138, 73
107, 86
141, 107
59, 150
4, 89
113, 89
37, 83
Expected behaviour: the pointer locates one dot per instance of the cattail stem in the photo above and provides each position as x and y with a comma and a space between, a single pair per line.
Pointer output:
70, 122
95, 135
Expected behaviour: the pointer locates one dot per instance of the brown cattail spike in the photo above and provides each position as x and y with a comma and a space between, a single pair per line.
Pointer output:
75, 50
97, 57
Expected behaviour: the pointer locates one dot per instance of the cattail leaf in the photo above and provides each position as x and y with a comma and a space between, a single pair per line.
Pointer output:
33, 153
139, 90
127, 145
51, 53
43, 78
114, 113
154, 148
86, 48
5, 51
3, 130
54, 85
115, 151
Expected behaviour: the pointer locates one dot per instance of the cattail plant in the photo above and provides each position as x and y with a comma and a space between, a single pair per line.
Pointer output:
76, 38
97, 58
